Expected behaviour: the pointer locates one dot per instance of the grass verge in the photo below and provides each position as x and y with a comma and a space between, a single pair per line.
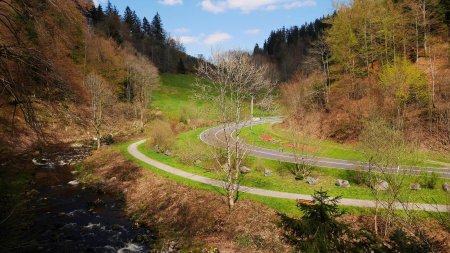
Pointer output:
325, 148
280, 181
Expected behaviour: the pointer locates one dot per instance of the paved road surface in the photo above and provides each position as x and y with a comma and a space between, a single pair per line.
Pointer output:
215, 137
132, 149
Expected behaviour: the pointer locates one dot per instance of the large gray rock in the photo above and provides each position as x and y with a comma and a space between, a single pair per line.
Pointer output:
76, 145
381, 186
342, 183
168, 153
74, 182
446, 186
415, 186
267, 172
33, 193
312, 180
130, 248
244, 170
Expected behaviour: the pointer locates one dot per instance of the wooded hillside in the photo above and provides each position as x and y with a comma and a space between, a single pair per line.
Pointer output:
377, 59
63, 80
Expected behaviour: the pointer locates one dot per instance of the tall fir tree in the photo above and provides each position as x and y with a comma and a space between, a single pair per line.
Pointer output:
157, 30
146, 27
181, 68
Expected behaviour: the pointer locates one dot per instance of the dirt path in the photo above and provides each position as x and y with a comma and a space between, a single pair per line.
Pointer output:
133, 150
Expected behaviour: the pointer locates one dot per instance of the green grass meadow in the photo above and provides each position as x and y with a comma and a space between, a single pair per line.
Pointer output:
284, 181
175, 98
327, 148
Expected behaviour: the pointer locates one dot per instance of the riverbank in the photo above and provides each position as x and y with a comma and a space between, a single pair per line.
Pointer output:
44, 207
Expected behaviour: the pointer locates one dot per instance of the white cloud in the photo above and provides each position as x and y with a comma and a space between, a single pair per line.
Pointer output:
246, 6
299, 4
252, 31
188, 39
207, 5
97, 2
170, 2
216, 38
181, 30
271, 7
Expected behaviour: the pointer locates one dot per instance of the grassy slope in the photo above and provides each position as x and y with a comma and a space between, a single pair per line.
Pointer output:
282, 205
283, 180
176, 93
325, 148
176, 96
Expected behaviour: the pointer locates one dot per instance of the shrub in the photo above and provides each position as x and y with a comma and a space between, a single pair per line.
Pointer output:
107, 139
160, 135
190, 153
318, 230
189, 112
414, 243
405, 82
429, 180
300, 170
361, 177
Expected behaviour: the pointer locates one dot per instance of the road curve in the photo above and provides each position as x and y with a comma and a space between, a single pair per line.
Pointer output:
215, 137
133, 150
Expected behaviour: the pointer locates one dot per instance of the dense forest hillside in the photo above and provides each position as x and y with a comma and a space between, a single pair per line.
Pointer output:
147, 37
70, 71
289, 48
371, 59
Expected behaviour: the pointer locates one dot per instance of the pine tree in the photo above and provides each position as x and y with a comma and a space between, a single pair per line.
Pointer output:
181, 68
257, 49
136, 28
157, 30
146, 27
97, 14
128, 17
109, 9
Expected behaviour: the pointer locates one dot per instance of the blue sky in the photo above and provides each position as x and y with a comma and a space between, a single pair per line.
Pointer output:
206, 25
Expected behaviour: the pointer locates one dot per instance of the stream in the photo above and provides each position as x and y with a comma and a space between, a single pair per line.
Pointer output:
66, 216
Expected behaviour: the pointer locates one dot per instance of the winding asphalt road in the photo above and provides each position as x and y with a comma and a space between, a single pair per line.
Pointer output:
216, 137
133, 150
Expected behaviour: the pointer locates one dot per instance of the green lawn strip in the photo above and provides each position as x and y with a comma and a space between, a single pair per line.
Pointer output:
324, 148
284, 206
422, 155
282, 180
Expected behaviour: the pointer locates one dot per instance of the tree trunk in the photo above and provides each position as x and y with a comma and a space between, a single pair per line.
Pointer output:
375, 218
433, 76
251, 112
425, 26
231, 201
142, 120
99, 136
417, 38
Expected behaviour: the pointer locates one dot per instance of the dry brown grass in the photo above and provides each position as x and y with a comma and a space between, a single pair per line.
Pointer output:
189, 216
197, 218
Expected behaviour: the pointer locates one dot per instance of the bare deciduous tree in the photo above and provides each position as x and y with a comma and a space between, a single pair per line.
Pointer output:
96, 87
385, 149
20, 66
143, 79
229, 81
303, 160
320, 56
